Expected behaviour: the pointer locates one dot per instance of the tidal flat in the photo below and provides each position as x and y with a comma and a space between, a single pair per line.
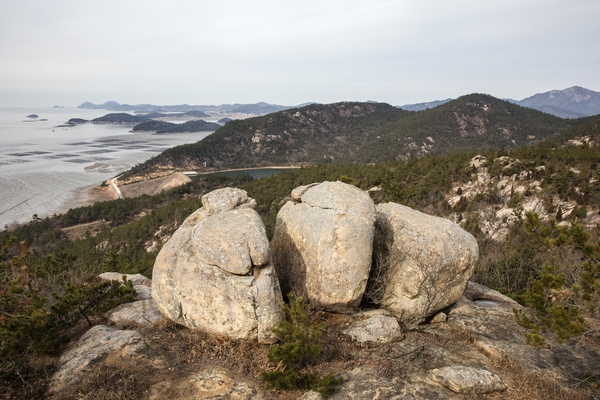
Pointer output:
47, 169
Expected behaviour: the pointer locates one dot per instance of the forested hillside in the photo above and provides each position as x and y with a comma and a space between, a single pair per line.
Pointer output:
358, 133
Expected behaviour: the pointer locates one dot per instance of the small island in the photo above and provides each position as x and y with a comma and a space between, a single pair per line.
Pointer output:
168, 127
118, 118
33, 116
77, 121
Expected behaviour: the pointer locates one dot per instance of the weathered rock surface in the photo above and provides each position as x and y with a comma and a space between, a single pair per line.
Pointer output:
232, 240
425, 262
142, 313
136, 279
468, 380
367, 383
96, 343
207, 384
226, 199
489, 317
215, 273
322, 245
374, 327
142, 292
311, 395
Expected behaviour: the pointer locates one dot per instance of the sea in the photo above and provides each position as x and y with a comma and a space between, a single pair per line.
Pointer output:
43, 165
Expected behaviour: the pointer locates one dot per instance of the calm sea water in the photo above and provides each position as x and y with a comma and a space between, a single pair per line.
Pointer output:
41, 163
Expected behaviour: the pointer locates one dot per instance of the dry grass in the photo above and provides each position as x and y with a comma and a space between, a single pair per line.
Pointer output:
185, 352
523, 384
109, 382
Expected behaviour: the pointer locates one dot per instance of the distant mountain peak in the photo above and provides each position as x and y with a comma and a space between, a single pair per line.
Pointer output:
424, 106
572, 102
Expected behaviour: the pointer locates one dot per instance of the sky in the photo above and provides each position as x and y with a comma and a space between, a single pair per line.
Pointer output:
65, 52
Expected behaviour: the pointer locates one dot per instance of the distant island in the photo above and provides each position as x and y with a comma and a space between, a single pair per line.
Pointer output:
254, 109
33, 116
168, 127
151, 122
58, 106
77, 121
118, 118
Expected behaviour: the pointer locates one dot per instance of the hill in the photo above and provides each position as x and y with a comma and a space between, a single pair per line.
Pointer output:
190, 126
358, 133
573, 102
119, 118
152, 126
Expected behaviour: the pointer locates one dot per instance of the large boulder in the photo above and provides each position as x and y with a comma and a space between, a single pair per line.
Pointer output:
215, 273
323, 243
423, 263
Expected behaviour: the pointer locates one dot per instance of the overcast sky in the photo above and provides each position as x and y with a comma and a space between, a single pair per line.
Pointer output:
288, 52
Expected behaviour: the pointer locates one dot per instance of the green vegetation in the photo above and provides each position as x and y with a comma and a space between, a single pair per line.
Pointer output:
169, 127
299, 342
562, 266
360, 133
36, 309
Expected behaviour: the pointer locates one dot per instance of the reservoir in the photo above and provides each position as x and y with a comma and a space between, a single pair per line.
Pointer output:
256, 173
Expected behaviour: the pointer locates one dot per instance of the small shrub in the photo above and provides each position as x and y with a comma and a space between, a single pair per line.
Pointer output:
300, 342
578, 212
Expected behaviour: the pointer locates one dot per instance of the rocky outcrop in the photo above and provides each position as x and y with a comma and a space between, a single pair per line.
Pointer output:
94, 345
368, 383
488, 317
374, 326
423, 262
209, 383
137, 279
215, 273
468, 380
323, 242
141, 313
141, 284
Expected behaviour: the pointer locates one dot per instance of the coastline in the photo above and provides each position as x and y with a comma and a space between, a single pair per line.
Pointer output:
86, 196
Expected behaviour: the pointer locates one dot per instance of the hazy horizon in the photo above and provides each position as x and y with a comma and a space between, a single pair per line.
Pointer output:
25, 107
198, 52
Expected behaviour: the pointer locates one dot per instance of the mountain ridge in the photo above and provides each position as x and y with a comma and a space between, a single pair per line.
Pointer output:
358, 133
572, 102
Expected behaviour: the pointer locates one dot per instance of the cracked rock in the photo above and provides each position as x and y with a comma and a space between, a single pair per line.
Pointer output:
426, 261
323, 243
215, 273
